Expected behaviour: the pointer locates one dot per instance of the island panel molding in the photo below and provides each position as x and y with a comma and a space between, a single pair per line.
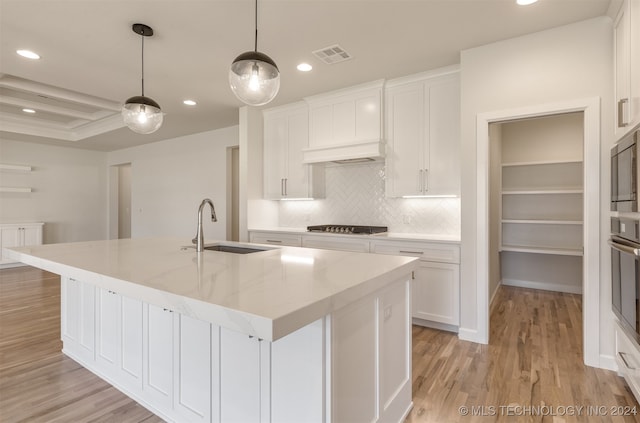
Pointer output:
130, 314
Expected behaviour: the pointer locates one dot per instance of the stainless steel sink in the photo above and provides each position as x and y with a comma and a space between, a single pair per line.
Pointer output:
225, 248
232, 249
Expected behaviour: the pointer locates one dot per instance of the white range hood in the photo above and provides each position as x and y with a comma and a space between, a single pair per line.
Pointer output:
346, 125
345, 153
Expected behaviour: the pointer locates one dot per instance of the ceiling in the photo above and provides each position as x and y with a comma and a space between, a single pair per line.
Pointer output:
90, 58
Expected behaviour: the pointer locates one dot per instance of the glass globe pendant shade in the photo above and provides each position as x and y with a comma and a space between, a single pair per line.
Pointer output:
254, 78
142, 115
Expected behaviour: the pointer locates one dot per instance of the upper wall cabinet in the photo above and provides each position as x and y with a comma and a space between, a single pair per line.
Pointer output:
286, 135
627, 66
423, 134
346, 124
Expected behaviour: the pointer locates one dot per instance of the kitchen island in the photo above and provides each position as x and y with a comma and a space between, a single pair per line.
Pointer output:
281, 334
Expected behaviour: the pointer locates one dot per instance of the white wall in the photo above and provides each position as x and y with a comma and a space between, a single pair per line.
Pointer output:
69, 190
170, 178
561, 64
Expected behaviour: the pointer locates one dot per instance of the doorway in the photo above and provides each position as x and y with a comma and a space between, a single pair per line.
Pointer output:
233, 193
536, 209
591, 212
120, 201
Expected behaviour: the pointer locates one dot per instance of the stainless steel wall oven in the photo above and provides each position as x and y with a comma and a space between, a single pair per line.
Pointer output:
625, 272
624, 174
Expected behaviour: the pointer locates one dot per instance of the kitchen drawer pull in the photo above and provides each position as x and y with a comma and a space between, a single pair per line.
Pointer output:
621, 103
411, 252
277, 241
624, 360
420, 181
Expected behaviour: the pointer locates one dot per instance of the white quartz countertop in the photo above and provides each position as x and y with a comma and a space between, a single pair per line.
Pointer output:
395, 236
267, 294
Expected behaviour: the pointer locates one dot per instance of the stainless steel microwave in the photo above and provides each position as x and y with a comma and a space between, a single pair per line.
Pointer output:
624, 174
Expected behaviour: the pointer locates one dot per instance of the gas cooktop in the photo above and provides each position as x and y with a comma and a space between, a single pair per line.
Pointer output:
347, 229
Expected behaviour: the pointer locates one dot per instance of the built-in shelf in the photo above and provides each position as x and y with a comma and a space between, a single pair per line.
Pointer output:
543, 250
542, 191
542, 222
14, 189
543, 162
21, 168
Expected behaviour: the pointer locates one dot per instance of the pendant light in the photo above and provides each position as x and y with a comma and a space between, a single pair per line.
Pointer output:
254, 77
141, 114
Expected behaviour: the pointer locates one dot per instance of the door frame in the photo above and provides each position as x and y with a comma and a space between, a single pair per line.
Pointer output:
591, 214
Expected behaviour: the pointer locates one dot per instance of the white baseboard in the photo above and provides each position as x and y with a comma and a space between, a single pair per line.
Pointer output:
608, 362
471, 335
495, 291
10, 265
571, 289
434, 325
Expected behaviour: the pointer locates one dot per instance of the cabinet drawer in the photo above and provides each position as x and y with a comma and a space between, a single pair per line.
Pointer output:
628, 360
430, 251
333, 243
289, 240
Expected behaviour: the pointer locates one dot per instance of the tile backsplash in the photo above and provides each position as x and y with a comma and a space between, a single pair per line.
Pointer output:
355, 196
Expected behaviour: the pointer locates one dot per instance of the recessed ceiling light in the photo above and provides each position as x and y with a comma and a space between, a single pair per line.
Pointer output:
28, 54
190, 102
28, 110
525, 2
304, 67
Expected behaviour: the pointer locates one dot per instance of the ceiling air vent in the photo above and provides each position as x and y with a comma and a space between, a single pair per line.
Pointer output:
332, 54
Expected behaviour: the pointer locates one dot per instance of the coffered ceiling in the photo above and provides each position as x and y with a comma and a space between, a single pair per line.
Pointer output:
90, 58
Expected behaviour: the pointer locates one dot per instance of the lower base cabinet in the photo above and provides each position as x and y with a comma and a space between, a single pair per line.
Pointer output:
353, 365
436, 295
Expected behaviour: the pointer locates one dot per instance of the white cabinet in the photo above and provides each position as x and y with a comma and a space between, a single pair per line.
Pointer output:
357, 245
628, 359
240, 377
275, 238
286, 134
436, 284
423, 135
158, 357
19, 235
119, 337
627, 66
345, 124
192, 369
78, 319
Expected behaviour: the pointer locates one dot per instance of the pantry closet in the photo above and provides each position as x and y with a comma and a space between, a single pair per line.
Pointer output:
536, 203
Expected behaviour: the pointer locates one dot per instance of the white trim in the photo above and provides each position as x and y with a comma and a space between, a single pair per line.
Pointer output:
546, 286
22, 168
608, 362
471, 335
420, 77
14, 189
591, 203
495, 294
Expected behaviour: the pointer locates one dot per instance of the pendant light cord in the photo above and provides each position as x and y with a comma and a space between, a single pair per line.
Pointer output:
256, 17
142, 36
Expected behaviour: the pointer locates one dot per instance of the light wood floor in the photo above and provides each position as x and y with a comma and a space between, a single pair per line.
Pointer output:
534, 358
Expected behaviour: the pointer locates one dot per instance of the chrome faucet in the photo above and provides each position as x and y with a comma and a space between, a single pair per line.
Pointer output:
199, 239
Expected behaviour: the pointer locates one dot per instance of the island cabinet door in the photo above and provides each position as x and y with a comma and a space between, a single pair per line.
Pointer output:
78, 319
192, 375
119, 338
354, 375
395, 350
158, 352
240, 378
298, 375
